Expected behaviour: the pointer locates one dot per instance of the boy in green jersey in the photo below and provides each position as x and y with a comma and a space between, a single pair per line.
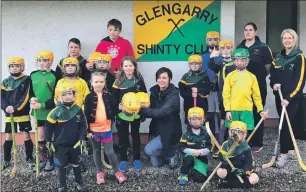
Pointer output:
43, 84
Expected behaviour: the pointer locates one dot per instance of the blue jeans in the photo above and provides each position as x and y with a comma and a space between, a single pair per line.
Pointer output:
156, 152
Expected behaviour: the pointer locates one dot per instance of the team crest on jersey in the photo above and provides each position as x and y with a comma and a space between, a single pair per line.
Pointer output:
256, 52
78, 118
291, 66
113, 50
203, 143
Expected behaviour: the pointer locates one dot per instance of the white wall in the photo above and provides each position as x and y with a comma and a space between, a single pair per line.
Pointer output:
250, 11
29, 26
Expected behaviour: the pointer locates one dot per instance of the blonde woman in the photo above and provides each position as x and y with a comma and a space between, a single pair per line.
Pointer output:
288, 75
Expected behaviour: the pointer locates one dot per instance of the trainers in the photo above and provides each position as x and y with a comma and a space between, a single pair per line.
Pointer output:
183, 179
256, 149
49, 165
120, 177
31, 163
123, 166
100, 178
137, 165
5, 165
292, 155
281, 161
174, 161
222, 184
42, 165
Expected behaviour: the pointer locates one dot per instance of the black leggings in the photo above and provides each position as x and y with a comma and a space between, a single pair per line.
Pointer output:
187, 168
233, 181
285, 137
124, 142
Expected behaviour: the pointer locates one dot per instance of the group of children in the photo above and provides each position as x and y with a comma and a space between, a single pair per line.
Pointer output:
239, 91
81, 100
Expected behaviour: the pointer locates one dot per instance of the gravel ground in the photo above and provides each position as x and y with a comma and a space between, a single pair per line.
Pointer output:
291, 178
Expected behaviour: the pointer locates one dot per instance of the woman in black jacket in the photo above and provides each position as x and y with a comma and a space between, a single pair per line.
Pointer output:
165, 127
288, 74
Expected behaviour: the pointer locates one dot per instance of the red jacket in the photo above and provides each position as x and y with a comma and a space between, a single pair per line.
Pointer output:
118, 49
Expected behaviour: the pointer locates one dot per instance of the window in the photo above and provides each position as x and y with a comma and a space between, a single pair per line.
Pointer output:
280, 15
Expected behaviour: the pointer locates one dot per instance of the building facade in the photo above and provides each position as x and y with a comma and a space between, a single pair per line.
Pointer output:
30, 26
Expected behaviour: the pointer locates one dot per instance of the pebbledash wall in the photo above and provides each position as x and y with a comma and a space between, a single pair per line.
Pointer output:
30, 26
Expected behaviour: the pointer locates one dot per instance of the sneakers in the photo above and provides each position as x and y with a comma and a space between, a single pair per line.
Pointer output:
100, 178
5, 165
174, 161
281, 161
31, 164
123, 166
183, 179
256, 149
292, 155
223, 184
137, 165
49, 165
42, 165
120, 177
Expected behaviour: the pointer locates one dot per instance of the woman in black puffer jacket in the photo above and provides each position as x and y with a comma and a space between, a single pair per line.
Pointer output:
165, 127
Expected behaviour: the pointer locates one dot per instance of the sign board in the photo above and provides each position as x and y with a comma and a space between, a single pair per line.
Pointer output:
173, 30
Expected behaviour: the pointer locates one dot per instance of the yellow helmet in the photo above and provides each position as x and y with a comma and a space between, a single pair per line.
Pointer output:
93, 57
16, 60
196, 112
45, 55
212, 34
224, 43
195, 59
70, 60
239, 125
144, 99
130, 103
105, 57
64, 88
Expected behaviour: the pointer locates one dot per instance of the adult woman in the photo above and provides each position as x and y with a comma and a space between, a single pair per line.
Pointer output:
288, 74
165, 126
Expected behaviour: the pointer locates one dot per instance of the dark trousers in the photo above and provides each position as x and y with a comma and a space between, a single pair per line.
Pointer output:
187, 168
257, 139
233, 181
285, 137
124, 142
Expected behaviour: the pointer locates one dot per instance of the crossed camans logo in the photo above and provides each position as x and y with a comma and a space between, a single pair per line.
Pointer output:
113, 51
256, 51
176, 26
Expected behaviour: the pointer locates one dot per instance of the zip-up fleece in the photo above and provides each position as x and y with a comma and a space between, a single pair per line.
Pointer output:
67, 124
199, 80
289, 71
16, 93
